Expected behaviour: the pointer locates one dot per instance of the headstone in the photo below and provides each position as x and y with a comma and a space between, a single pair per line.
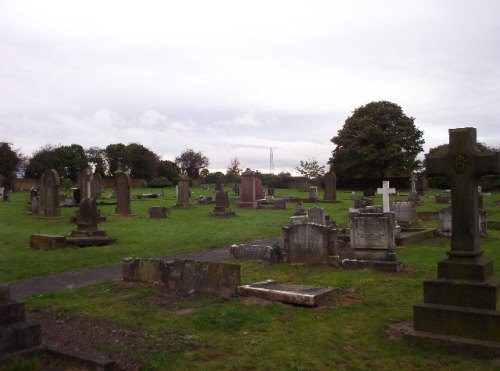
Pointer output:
221, 279
386, 191
222, 205
250, 252
360, 202
330, 187
250, 191
445, 224
461, 305
158, 212
183, 201
96, 186
16, 334
270, 192
34, 205
480, 201
218, 185
316, 215
310, 243
85, 183
368, 192
50, 185
122, 189
313, 193
439, 199
298, 219
298, 208
404, 212
372, 240
413, 194
2, 191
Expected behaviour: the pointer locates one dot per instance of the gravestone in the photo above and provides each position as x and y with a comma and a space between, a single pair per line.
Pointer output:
330, 187
372, 240
222, 205
404, 212
461, 305
2, 190
386, 191
85, 183
122, 189
298, 208
313, 193
445, 225
360, 202
51, 201
158, 212
270, 192
96, 186
316, 215
440, 199
220, 279
249, 190
183, 193
250, 252
16, 334
309, 243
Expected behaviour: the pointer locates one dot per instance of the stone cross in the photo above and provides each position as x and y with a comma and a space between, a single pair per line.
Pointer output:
386, 191
463, 163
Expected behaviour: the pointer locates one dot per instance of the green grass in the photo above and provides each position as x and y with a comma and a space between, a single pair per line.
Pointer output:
229, 334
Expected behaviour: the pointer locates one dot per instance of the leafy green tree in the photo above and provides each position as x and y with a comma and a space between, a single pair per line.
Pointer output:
169, 170
141, 161
233, 170
192, 162
11, 162
311, 169
66, 160
377, 141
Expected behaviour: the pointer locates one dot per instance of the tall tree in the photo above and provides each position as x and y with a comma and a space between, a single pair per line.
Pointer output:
11, 162
233, 170
377, 141
311, 169
97, 156
116, 155
168, 169
66, 160
141, 161
192, 162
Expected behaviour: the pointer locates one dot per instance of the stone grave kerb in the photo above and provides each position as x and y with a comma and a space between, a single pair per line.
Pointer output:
463, 164
386, 191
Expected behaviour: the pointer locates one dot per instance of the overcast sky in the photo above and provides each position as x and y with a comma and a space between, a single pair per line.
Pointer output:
236, 78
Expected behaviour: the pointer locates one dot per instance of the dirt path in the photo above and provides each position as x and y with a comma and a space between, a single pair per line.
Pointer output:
89, 276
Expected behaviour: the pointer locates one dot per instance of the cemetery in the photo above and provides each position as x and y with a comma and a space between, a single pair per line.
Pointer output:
313, 285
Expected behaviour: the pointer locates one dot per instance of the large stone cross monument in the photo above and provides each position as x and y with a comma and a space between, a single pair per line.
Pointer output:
462, 302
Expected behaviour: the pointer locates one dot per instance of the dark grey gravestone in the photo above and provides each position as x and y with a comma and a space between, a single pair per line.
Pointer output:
404, 212
461, 304
316, 215
361, 202
159, 212
122, 189
330, 187
51, 183
183, 193
85, 183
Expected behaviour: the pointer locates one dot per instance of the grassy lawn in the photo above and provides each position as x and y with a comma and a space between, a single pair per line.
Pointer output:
234, 334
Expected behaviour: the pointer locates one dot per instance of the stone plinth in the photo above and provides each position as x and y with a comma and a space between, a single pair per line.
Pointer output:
250, 190
122, 189
47, 242
50, 183
206, 277
310, 296
183, 199
330, 187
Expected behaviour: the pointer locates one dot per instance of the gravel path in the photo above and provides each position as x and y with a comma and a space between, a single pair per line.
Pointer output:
89, 276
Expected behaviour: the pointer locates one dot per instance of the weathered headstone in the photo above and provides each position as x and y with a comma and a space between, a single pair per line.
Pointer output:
360, 202
386, 191
404, 212
310, 243
200, 276
330, 187
50, 185
316, 215
249, 189
298, 208
158, 212
313, 193
413, 194
16, 334
85, 183
270, 192
445, 222
222, 205
122, 189
96, 186
461, 305
183, 193
372, 240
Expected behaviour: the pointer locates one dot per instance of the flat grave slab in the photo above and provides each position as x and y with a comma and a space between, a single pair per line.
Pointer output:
293, 294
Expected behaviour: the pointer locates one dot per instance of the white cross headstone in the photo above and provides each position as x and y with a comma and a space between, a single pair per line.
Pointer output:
386, 191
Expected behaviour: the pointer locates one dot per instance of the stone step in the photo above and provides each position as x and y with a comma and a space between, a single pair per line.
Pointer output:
457, 321
480, 295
